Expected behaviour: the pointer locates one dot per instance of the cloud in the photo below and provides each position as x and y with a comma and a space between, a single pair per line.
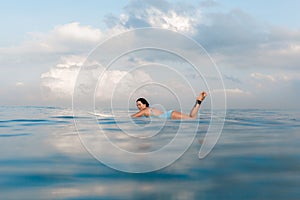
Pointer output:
232, 78
233, 38
275, 78
71, 37
68, 37
238, 40
268, 83
19, 84
74, 32
157, 14
171, 20
231, 91
255, 57
259, 76
236, 91
120, 84
230, 31
59, 82
41, 50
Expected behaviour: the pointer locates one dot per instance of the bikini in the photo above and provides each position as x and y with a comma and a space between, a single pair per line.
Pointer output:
165, 115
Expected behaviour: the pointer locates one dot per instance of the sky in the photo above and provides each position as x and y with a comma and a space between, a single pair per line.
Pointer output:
255, 46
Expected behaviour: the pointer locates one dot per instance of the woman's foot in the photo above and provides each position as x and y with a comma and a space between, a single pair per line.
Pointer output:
195, 109
201, 96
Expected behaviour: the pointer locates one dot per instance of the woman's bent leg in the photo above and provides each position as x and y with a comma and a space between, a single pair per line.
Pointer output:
194, 111
179, 115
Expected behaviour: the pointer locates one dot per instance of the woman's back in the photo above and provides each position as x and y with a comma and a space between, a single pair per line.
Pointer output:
155, 112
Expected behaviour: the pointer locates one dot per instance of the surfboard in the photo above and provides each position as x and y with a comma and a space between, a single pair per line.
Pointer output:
101, 114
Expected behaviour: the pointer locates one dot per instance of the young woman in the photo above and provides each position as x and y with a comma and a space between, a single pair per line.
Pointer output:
143, 105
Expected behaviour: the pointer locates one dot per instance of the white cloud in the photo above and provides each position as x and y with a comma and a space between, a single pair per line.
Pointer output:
172, 20
236, 91
259, 76
276, 77
20, 84
181, 18
60, 80
234, 39
71, 37
238, 40
270, 83
118, 85
40, 47
231, 91
76, 33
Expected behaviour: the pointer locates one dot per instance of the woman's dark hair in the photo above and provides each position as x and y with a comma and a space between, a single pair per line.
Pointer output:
144, 101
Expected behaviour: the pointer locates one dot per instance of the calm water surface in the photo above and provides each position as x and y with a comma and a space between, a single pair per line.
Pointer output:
256, 157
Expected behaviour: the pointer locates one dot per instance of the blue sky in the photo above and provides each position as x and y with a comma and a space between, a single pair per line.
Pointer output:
277, 12
22, 17
256, 45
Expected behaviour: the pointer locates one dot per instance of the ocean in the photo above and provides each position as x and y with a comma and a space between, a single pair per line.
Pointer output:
46, 154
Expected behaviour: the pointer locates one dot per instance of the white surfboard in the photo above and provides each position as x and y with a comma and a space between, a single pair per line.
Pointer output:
101, 114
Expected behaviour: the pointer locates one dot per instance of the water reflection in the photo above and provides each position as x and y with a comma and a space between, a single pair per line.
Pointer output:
256, 157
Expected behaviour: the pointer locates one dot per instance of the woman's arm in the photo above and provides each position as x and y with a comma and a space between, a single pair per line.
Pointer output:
141, 113
138, 114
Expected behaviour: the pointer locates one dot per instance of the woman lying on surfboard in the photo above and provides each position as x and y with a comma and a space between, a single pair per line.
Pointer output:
143, 105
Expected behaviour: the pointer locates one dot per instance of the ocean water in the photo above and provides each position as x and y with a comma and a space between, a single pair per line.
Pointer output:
44, 156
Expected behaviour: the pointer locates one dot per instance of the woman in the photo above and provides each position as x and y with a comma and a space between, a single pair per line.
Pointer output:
143, 105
